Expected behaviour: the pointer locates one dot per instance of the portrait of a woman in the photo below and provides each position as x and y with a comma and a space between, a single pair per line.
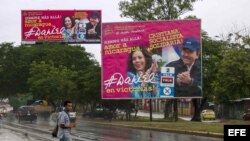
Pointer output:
143, 70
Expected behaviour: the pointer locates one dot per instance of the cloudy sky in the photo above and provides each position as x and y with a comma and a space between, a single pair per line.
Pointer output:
218, 16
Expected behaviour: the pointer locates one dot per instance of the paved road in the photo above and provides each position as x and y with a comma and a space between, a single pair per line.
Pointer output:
89, 131
10, 135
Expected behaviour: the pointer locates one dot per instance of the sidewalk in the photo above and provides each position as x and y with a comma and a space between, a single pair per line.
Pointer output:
147, 114
158, 115
9, 135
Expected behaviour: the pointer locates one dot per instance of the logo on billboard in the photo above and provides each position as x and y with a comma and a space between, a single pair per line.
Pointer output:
167, 76
167, 91
167, 81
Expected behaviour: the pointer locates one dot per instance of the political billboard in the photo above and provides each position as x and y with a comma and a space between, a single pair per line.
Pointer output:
69, 26
152, 59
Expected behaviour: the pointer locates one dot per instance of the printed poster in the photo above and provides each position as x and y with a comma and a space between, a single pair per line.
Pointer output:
69, 26
154, 59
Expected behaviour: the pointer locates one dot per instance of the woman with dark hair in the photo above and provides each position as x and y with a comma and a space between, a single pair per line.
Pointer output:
142, 56
69, 28
142, 69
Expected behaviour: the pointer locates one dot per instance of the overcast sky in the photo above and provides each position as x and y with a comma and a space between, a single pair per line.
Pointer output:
218, 16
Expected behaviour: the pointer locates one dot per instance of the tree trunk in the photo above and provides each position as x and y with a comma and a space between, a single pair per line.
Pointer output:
150, 109
198, 106
175, 110
128, 111
166, 110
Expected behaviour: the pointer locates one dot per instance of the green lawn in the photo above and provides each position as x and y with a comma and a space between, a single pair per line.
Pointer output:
181, 126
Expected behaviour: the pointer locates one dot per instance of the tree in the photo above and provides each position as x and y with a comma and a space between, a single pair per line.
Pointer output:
48, 70
10, 75
211, 57
49, 82
234, 68
144, 10
88, 86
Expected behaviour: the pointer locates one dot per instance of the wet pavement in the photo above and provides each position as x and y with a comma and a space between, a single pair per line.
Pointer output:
10, 135
88, 131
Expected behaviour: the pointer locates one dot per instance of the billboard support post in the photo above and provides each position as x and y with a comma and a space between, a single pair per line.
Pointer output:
150, 108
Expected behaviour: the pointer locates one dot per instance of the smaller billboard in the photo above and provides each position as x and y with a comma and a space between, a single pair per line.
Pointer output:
69, 26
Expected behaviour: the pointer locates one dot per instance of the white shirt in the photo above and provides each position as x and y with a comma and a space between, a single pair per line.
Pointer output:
63, 118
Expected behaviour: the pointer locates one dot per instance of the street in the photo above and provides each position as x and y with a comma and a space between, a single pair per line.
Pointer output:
10, 135
89, 131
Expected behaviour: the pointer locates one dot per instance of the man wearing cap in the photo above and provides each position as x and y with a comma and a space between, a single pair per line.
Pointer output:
94, 26
188, 70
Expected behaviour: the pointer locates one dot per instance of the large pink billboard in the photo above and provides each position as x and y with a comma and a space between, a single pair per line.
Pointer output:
154, 59
71, 26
